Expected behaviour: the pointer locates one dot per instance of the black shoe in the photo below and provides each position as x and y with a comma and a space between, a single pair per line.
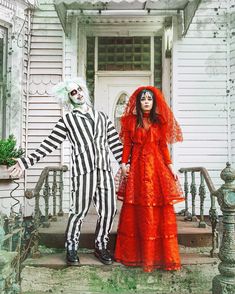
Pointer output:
72, 258
104, 256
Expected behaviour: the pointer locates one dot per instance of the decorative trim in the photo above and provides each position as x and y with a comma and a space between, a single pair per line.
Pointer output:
119, 19
8, 4
124, 73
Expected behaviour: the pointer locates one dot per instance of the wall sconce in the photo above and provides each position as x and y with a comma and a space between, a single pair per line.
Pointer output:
168, 30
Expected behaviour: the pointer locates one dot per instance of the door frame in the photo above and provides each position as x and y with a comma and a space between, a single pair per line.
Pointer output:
105, 27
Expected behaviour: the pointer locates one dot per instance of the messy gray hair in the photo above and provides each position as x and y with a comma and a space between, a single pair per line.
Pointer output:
61, 92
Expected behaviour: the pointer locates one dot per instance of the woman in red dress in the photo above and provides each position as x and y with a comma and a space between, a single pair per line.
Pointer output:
147, 232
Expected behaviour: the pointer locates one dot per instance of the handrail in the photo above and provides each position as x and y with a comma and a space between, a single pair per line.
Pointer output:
205, 173
43, 185
29, 193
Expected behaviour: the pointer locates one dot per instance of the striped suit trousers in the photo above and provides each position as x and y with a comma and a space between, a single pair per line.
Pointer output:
97, 187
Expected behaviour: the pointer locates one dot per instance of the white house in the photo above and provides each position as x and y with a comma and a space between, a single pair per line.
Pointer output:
187, 48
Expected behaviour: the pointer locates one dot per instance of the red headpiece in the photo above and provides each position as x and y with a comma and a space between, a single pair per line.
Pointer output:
169, 125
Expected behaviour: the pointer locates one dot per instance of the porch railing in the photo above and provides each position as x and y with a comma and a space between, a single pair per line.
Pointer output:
190, 210
11, 235
47, 190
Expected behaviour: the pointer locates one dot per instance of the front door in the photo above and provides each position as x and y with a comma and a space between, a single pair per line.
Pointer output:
111, 89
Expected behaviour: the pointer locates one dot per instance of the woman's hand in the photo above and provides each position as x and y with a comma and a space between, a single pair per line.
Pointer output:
125, 169
174, 174
15, 171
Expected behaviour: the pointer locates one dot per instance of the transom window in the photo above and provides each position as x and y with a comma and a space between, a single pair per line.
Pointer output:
124, 53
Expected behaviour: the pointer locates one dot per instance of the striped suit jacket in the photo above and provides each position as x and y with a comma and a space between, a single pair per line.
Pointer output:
90, 147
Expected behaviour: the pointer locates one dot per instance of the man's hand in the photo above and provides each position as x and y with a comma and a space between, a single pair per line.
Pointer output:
15, 171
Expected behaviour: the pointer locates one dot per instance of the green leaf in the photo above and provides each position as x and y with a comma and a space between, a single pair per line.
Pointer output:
8, 151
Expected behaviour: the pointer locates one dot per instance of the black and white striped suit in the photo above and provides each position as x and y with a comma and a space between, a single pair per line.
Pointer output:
92, 177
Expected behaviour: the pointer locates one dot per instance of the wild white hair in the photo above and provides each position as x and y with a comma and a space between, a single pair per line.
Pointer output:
61, 92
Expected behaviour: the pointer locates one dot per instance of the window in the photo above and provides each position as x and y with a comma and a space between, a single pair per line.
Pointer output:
124, 53
3, 74
90, 68
120, 106
158, 62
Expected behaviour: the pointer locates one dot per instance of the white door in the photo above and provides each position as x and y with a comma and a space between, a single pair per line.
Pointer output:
108, 90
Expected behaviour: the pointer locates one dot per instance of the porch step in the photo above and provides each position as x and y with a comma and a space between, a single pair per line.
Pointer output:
49, 274
54, 237
57, 260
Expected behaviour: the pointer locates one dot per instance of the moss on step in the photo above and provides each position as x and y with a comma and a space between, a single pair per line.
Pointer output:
111, 280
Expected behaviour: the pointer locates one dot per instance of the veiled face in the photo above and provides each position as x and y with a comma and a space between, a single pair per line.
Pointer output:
146, 101
76, 94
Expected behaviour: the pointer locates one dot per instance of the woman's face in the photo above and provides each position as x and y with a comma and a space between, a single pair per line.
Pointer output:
146, 102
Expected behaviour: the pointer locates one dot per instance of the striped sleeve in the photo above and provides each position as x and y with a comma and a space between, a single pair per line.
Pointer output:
114, 142
48, 145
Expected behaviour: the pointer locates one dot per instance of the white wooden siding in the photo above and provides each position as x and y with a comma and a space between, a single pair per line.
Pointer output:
200, 92
46, 70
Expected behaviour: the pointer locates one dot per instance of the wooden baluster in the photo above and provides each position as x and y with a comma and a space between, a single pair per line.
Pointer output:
54, 191
46, 195
214, 221
187, 214
193, 191
35, 251
202, 194
61, 187
10, 230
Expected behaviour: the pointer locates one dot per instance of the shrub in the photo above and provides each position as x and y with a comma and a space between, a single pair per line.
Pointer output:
9, 152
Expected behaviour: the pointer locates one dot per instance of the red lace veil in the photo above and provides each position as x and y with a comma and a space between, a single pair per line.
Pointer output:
169, 125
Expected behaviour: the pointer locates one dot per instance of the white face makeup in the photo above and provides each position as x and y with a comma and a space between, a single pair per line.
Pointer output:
146, 101
76, 94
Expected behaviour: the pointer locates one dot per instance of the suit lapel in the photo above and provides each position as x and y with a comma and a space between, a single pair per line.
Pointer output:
96, 116
83, 121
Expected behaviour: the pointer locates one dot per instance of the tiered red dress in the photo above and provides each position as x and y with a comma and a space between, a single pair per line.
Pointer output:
147, 231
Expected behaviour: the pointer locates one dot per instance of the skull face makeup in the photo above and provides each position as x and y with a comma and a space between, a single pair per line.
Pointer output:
72, 93
76, 94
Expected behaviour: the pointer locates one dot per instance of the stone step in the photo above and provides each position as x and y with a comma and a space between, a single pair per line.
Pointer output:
57, 260
49, 274
54, 237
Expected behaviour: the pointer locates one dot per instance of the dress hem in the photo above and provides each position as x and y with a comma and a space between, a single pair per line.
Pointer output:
150, 268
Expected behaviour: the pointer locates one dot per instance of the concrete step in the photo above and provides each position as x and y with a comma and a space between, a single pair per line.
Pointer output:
49, 274
57, 260
54, 237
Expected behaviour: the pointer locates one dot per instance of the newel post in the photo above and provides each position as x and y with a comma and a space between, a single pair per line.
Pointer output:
225, 282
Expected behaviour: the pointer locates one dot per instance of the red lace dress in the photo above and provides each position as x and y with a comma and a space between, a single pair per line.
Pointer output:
147, 232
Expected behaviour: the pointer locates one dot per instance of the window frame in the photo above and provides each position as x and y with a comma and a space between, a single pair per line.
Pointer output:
3, 82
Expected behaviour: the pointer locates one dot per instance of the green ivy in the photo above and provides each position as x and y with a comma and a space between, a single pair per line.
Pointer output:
9, 152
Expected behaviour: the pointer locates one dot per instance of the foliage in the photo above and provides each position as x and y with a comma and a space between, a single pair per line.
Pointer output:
9, 152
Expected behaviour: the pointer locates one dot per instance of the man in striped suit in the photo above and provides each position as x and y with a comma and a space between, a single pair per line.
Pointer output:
91, 135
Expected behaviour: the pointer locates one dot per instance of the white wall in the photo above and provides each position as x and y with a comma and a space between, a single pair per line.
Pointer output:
201, 103
46, 70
